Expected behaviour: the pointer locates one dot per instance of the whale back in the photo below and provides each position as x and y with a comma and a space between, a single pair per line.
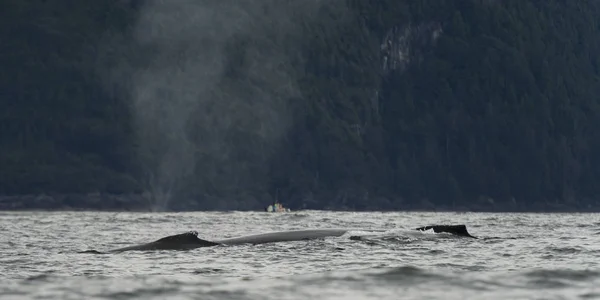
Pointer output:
189, 237
458, 230
189, 240
183, 241
283, 236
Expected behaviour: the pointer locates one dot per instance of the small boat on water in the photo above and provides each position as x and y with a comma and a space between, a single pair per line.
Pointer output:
276, 207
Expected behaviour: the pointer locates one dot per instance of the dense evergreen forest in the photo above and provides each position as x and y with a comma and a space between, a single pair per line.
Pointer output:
345, 104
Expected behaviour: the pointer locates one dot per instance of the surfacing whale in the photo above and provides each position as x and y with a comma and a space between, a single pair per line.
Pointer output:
459, 230
183, 241
190, 240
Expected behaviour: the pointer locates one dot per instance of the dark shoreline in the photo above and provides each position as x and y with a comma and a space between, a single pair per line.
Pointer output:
141, 203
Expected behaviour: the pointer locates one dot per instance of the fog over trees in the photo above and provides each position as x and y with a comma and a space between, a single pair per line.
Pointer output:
343, 104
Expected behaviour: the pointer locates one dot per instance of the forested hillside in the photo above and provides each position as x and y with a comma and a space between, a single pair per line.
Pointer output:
345, 104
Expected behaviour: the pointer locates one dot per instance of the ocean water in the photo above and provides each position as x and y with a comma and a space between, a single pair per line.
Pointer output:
517, 256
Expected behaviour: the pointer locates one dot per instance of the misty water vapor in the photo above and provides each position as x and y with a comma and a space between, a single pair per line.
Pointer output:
210, 83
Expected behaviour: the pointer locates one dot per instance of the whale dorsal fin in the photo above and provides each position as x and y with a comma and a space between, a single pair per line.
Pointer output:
459, 230
190, 237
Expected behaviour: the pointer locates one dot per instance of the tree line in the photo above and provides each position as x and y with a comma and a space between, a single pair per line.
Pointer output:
391, 104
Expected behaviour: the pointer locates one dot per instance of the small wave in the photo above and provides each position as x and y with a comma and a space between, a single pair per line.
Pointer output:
590, 296
208, 271
224, 212
382, 240
91, 252
564, 250
14, 261
471, 268
579, 275
406, 236
496, 239
142, 293
407, 274
38, 277
411, 276
296, 216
